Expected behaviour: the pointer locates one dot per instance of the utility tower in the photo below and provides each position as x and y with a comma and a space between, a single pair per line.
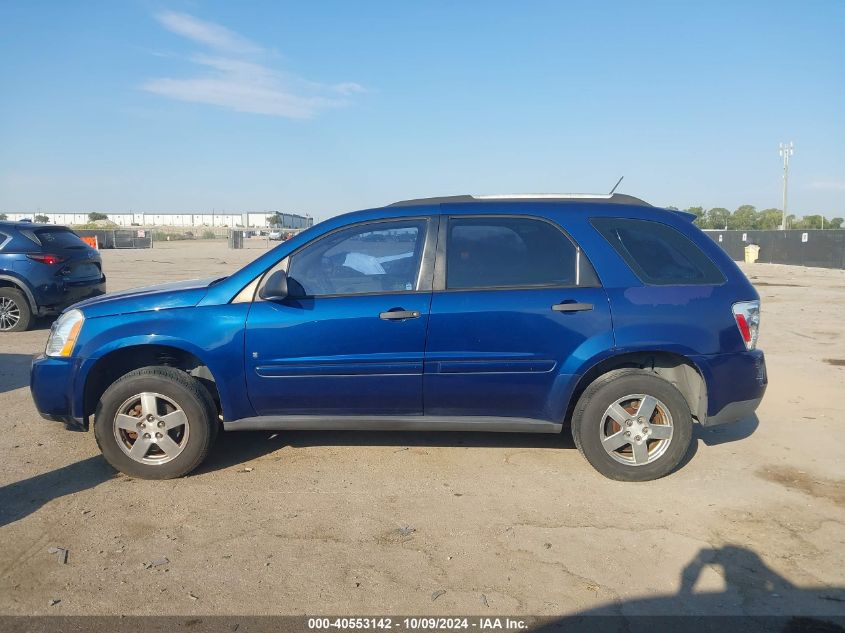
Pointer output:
785, 151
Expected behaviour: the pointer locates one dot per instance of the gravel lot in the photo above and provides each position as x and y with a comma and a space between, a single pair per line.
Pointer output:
392, 523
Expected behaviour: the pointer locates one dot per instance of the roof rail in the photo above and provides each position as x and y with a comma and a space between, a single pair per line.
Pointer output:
615, 198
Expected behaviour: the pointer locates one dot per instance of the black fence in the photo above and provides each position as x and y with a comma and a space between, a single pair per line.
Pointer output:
119, 238
819, 248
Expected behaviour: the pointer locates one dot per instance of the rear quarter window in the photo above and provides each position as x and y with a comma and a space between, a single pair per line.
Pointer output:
657, 253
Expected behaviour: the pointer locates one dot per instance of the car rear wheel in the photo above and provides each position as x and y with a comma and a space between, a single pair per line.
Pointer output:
155, 423
632, 425
15, 313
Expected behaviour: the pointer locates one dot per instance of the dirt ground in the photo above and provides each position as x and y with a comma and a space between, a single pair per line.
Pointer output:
438, 523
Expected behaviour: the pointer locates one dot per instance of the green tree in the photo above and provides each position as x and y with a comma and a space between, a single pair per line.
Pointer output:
769, 219
275, 219
744, 218
43, 219
811, 222
3, 216
94, 216
700, 216
718, 217
836, 223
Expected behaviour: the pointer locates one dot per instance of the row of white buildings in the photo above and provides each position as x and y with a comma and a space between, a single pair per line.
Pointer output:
289, 220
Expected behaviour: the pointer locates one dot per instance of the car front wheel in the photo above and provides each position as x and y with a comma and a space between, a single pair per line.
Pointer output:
155, 423
632, 425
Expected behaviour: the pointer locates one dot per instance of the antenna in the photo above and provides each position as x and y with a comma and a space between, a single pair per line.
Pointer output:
616, 185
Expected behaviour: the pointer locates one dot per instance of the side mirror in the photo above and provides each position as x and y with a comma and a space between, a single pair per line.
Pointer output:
276, 287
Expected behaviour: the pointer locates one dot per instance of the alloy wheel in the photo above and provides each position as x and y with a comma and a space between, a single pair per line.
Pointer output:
151, 428
636, 429
10, 313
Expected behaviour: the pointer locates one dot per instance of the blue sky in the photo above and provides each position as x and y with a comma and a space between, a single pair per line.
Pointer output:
323, 107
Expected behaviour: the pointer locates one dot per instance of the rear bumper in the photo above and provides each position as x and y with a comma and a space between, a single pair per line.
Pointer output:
735, 383
60, 297
733, 412
51, 386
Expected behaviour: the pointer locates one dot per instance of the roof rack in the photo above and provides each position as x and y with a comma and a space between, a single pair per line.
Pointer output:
615, 198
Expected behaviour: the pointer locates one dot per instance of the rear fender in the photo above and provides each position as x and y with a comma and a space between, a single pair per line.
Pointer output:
676, 366
24, 287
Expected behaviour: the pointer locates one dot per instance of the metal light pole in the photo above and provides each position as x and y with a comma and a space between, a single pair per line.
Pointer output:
785, 151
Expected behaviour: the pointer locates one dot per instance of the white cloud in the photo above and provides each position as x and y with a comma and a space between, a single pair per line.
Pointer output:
827, 185
348, 88
208, 33
233, 79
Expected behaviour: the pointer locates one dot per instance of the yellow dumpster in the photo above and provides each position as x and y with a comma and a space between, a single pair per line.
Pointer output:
752, 252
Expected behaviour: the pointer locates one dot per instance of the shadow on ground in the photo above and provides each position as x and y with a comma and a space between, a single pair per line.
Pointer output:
24, 497
21, 498
724, 433
241, 446
14, 370
755, 598
238, 447
252, 444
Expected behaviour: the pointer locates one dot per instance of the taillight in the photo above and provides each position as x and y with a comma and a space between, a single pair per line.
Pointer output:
50, 260
747, 316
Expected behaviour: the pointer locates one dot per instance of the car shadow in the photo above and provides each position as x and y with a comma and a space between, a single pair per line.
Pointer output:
22, 498
14, 371
237, 447
755, 598
724, 433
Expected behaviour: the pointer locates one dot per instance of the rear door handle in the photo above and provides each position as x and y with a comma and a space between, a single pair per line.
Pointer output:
399, 315
572, 307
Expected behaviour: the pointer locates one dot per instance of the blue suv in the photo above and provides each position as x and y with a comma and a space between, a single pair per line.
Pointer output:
44, 268
603, 315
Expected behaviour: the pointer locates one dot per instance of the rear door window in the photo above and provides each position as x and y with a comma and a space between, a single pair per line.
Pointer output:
658, 254
512, 252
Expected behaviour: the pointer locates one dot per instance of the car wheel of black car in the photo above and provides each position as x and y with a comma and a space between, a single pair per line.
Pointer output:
15, 313
632, 425
156, 423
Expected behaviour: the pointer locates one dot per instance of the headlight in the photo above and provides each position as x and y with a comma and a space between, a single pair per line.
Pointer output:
64, 333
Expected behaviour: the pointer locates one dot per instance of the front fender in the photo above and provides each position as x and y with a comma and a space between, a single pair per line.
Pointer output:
216, 338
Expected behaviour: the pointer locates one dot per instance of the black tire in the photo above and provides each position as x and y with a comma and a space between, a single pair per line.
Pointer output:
15, 300
197, 434
589, 417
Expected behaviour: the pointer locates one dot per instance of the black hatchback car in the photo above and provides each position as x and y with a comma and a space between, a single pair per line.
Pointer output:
44, 268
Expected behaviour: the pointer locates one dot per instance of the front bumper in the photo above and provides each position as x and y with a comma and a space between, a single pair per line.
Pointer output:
51, 386
735, 383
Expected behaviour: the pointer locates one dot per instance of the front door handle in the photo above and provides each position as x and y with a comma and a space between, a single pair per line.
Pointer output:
399, 315
572, 307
